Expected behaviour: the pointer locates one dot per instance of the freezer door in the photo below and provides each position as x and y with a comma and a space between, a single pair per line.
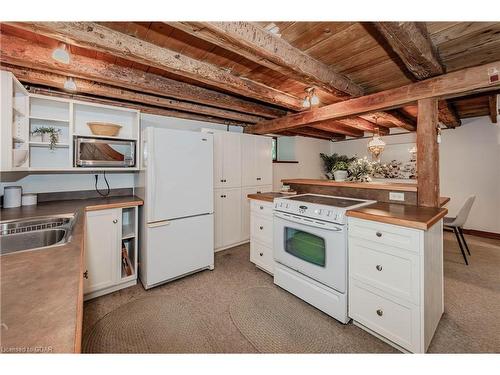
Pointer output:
178, 247
179, 173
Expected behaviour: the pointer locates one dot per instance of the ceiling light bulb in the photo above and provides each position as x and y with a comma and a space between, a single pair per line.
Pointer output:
61, 54
70, 84
306, 103
314, 100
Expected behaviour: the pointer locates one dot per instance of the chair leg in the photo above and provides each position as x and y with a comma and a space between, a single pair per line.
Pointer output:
461, 231
455, 230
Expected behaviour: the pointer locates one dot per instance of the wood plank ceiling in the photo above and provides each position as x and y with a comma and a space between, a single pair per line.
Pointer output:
202, 71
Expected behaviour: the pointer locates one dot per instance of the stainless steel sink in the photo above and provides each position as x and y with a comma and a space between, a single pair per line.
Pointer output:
35, 233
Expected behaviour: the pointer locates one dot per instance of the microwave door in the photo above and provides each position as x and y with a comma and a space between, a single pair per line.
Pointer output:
104, 153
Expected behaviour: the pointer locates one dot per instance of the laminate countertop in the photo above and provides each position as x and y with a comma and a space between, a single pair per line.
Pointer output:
393, 186
268, 196
42, 290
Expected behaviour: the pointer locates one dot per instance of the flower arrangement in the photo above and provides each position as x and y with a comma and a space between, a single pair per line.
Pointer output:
360, 170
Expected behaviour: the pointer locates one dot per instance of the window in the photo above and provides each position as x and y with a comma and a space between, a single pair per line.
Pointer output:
306, 246
275, 148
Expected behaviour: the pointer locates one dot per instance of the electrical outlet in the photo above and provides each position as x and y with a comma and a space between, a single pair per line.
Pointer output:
393, 196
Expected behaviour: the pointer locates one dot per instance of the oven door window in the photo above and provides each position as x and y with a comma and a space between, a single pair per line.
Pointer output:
306, 246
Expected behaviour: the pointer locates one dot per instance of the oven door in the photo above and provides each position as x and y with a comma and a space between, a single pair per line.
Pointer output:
314, 248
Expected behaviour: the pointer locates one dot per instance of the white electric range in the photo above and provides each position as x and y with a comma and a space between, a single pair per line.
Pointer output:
310, 249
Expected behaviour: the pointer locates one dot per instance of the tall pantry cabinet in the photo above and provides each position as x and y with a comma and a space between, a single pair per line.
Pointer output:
242, 166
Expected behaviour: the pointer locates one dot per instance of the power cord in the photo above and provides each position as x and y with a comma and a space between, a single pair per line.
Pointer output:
107, 184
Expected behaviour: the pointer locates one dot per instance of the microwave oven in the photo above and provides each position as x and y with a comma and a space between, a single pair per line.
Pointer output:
103, 152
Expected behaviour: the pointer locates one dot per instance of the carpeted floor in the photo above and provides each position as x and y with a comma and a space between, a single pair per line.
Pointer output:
470, 324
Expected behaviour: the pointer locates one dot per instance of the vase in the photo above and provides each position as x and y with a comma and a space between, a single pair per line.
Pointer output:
340, 175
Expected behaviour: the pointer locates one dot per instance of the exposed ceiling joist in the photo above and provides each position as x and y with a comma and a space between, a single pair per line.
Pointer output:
317, 133
394, 117
362, 124
263, 47
337, 127
97, 37
493, 103
103, 90
411, 42
29, 54
459, 83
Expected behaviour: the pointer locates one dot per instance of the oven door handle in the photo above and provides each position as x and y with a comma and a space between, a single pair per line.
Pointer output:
309, 222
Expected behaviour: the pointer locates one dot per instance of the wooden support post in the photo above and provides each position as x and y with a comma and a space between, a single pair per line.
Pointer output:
427, 153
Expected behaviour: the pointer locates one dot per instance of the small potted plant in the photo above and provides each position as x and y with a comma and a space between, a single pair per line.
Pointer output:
340, 170
361, 170
49, 134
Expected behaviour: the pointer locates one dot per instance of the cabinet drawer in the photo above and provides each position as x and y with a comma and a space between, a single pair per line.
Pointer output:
262, 256
390, 269
261, 229
385, 234
396, 322
262, 208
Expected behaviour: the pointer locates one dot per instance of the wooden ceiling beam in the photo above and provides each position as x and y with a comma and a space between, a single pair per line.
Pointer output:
29, 54
493, 104
98, 89
93, 36
263, 47
337, 127
411, 42
362, 124
317, 133
397, 119
454, 84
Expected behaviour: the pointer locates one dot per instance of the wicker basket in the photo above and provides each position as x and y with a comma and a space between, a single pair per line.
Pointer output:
104, 128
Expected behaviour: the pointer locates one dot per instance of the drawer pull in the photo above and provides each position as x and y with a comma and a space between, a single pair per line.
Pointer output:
115, 221
261, 207
379, 234
261, 227
380, 312
261, 254
378, 267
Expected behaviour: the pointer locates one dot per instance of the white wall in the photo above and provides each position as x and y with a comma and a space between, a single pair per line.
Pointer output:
304, 150
469, 164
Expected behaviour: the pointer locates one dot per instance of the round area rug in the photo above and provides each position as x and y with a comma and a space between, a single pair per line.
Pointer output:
156, 324
275, 321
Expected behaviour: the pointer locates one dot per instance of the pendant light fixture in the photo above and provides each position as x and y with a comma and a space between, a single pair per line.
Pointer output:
61, 54
376, 145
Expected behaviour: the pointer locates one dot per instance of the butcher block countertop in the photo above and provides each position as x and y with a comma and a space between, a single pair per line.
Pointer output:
268, 196
393, 186
42, 290
400, 214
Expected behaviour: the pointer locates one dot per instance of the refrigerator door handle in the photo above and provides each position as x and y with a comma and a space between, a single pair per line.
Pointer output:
156, 224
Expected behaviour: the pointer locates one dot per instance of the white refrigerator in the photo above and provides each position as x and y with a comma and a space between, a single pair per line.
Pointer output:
176, 184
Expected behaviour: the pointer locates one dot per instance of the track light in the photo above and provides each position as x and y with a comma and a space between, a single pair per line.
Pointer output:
61, 54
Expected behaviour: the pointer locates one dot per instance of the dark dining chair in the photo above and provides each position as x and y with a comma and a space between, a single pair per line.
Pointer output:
456, 224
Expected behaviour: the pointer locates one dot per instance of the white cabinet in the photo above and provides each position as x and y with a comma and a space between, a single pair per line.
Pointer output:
396, 281
245, 207
256, 160
227, 217
227, 160
261, 235
14, 130
110, 250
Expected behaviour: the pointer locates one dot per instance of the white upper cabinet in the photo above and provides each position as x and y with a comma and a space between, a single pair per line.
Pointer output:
256, 160
227, 159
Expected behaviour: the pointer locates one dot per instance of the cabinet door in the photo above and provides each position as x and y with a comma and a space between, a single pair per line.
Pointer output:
231, 168
218, 218
218, 159
102, 249
231, 216
248, 164
263, 160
